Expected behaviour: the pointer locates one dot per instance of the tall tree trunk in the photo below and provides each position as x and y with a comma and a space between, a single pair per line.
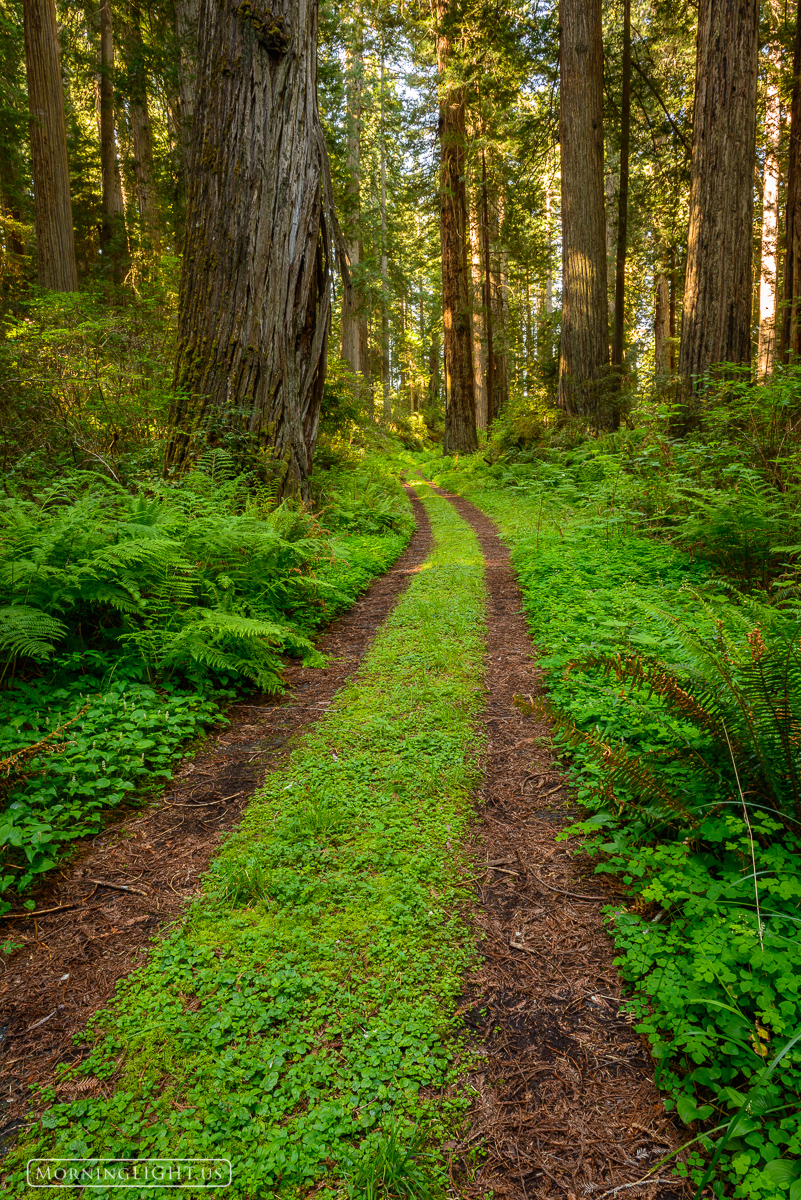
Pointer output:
610, 197
716, 319
255, 300
434, 378
770, 217
584, 357
354, 334
661, 328
623, 192
113, 238
187, 15
141, 133
672, 302
479, 349
460, 408
489, 380
500, 322
791, 319
386, 406
55, 240
544, 331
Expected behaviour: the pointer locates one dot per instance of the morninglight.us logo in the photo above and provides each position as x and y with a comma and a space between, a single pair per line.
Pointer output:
129, 1173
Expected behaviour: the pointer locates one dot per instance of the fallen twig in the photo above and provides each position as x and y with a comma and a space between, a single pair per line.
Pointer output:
118, 887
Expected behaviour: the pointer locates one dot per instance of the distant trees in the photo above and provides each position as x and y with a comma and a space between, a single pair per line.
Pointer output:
255, 302
51, 180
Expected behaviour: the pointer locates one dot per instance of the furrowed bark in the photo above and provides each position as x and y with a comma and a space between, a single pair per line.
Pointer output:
186, 33
254, 307
716, 323
386, 405
460, 411
661, 328
623, 193
141, 133
584, 356
55, 240
791, 317
113, 236
498, 393
354, 332
479, 346
489, 379
770, 218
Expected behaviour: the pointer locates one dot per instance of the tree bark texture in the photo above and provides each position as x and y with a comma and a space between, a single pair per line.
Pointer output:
498, 393
716, 321
354, 332
584, 356
479, 345
186, 33
113, 238
791, 317
623, 193
255, 301
386, 404
489, 378
661, 328
55, 240
141, 132
768, 265
460, 409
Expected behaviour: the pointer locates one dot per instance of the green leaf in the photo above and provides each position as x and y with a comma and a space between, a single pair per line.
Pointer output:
782, 1171
689, 1111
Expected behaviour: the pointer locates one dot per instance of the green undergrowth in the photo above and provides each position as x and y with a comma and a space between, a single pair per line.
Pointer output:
678, 703
301, 1020
128, 619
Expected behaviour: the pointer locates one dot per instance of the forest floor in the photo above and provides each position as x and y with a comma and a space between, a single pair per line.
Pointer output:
393, 939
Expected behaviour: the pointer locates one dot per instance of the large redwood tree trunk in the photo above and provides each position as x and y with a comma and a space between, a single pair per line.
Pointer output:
55, 240
791, 317
716, 324
254, 306
460, 410
354, 326
768, 266
113, 236
623, 194
584, 357
141, 131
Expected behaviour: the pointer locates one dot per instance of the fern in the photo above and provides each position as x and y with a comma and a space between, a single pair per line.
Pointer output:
741, 690
28, 631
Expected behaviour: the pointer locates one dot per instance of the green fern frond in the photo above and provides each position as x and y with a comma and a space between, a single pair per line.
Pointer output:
28, 632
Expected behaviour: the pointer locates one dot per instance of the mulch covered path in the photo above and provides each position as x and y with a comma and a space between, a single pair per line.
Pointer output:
139, 874
566, 1101
566, 1104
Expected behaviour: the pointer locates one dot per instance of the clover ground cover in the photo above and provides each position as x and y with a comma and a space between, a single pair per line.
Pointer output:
301, 1020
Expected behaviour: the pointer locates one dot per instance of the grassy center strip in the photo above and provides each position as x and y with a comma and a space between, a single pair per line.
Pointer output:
301, 1022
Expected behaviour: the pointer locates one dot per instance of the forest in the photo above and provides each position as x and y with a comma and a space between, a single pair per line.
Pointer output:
400, 598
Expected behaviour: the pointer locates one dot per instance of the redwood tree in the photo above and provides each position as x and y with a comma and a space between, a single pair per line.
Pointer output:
623, 193
354, 326
716, 324
584, 357
791, 318
460, 410
113, 237
51, 179
254, 304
